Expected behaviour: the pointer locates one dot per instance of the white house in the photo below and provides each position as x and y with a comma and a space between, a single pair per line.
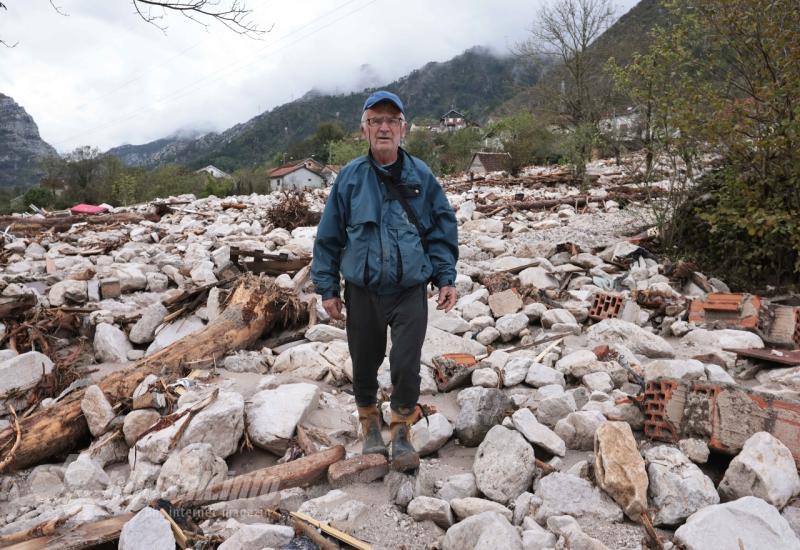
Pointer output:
300, 174
213, 171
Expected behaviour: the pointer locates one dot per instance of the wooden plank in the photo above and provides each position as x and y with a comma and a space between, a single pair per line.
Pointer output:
82, 536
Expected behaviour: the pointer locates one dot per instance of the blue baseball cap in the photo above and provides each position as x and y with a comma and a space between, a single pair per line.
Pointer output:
383, 95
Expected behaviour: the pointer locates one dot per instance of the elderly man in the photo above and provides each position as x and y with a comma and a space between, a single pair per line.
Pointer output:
389, 229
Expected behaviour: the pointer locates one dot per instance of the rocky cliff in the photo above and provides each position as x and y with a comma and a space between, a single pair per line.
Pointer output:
21, 146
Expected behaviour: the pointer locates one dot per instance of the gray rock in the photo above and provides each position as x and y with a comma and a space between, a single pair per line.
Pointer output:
325, 333
683, 369
553, 316
511, 325
429, 435
538, 434
678, 488
137, 422
171, 333
220, 423
537, 277
245, 362
131, 278
515, 370
635, 338
68, 291
567, 494
474, 310
571, 535
539, 375
792, 515
147, 530
748, 522
598, 381
715, 373
97, 410
437, 340
505, 302
485, 378
763, 468
22, 372
433, 509
472, 506
695, 450
273, 415
485, 531
255, 536
110, 344
504, 465
537, 538
157, 282
83, 473
451, 323
192, 470
487, 336
576, 362
554, 408
578, 429
481, 409
144, 330
457, 486
338, 508
401, 488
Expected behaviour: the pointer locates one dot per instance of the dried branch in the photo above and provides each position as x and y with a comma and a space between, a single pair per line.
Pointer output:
233, 14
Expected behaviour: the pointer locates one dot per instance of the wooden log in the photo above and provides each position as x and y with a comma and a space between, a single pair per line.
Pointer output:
297, 473
255, 307
13, 306
578, 202
31, 225
88, 535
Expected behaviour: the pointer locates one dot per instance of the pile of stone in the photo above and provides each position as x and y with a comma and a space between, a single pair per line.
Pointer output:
543, 448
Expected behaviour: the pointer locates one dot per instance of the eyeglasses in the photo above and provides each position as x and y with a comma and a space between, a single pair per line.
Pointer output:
377, 122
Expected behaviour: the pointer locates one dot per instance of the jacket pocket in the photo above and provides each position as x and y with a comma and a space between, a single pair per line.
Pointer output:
413, 266
362, 235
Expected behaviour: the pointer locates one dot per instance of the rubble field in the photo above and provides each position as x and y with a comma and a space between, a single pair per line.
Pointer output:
169, 377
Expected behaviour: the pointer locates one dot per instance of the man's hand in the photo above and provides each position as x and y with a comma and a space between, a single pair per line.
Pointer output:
333, 307
447, 298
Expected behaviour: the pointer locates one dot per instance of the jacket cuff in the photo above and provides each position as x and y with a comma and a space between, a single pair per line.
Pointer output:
329, 293
443, 281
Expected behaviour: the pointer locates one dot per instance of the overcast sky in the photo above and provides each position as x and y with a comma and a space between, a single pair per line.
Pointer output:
101, 76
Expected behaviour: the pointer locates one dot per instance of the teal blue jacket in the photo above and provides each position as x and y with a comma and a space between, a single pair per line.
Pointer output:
367, 236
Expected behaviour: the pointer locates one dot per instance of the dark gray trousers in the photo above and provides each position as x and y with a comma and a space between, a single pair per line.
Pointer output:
368, 315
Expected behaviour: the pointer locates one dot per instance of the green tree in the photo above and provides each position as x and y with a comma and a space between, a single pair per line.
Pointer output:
726, 80
527, 139
422, 145
344, 150
563, 33
39, 196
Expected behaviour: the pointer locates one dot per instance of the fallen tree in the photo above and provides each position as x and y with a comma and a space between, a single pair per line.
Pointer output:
27, 226
256, 306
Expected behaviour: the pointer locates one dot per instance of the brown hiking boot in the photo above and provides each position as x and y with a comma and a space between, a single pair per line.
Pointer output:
404, 457
371, 429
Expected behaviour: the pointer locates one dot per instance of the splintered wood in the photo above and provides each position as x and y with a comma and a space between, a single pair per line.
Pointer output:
255, 307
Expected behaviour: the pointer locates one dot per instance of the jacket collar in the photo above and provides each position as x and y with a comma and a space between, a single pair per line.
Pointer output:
407, 175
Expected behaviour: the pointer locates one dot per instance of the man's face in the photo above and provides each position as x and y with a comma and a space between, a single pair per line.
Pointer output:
384, 138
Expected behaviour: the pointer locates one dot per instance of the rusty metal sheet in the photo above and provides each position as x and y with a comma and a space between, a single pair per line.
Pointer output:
783, 357
724, 415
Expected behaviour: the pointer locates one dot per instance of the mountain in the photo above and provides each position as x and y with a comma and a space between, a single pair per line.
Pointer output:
21, 146
474, 83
